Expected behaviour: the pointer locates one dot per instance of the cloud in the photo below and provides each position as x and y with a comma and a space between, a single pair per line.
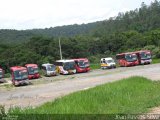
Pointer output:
27, 14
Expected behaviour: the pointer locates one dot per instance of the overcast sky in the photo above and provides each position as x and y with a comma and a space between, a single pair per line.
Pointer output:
28, 14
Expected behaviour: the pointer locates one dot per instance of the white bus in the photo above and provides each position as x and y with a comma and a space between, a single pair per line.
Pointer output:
66, 66
107, 63
50, 69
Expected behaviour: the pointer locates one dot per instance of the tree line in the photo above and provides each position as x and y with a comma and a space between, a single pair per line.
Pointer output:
20, 36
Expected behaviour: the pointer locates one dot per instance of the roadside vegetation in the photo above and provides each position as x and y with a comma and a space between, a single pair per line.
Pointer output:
134, 95
154, 61
95, 66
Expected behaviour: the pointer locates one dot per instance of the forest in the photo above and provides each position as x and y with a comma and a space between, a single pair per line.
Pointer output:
133, 30
19, 36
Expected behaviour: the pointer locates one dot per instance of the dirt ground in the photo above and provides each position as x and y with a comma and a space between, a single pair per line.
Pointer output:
49, 88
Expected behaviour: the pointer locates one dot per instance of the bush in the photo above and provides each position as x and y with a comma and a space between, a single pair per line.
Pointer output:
7, 75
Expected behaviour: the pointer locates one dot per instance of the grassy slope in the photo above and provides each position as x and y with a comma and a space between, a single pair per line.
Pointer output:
132, 95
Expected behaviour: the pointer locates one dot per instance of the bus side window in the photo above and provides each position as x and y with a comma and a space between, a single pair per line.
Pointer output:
76, 62
44, 68
104, 61
58, 63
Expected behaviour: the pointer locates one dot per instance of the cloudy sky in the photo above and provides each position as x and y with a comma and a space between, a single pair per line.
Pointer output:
28, 14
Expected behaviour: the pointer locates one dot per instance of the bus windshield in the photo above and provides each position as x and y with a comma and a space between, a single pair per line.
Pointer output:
81, 64
69, 66
145, 55
110, 61
32, 70
1, 74
35, 70
20, 75
86, 64
51, 68
130, 57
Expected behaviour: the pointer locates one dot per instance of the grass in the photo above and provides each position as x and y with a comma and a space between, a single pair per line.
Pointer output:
95, 66
129, 96
8, 86
155, 60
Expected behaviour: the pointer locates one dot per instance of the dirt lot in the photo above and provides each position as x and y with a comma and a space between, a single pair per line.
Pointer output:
50, 88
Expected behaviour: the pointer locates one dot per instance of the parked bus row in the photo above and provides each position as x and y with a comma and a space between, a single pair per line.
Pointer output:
127, 59
21, 75
134, 58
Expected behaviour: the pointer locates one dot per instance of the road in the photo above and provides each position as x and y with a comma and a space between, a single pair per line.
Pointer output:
55, 87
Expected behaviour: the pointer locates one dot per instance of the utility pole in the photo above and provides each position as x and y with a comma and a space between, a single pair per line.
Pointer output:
60, 49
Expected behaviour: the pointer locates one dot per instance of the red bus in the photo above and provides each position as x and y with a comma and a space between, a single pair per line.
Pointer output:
144, 56
82, 65
127, 59
33, 72
1, 75
19, 75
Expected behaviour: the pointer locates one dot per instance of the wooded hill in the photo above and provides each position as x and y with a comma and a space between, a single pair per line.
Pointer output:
134, 30
19, 36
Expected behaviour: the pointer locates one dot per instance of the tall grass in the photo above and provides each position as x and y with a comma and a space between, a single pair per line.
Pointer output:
95, 66
128, 96
155, 60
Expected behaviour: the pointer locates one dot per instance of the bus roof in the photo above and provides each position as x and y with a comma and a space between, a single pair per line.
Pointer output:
65, 61
46, 64
17, 68
109, 58
126, 53
31, 65
142, 51
78, 59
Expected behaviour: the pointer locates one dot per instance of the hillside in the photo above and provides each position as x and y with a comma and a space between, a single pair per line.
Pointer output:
19, 36
14, 36
66, 31
141, 20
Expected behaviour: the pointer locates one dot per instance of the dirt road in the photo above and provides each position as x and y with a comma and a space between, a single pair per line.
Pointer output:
58, 86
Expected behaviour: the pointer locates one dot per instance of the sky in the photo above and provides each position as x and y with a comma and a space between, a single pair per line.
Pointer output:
31, 14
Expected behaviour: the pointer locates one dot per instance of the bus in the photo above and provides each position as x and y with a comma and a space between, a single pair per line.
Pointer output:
107, 63
82, 65
50, 69
33, 72
127, 59
66, 66
19, 75
1, 75
144, 56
